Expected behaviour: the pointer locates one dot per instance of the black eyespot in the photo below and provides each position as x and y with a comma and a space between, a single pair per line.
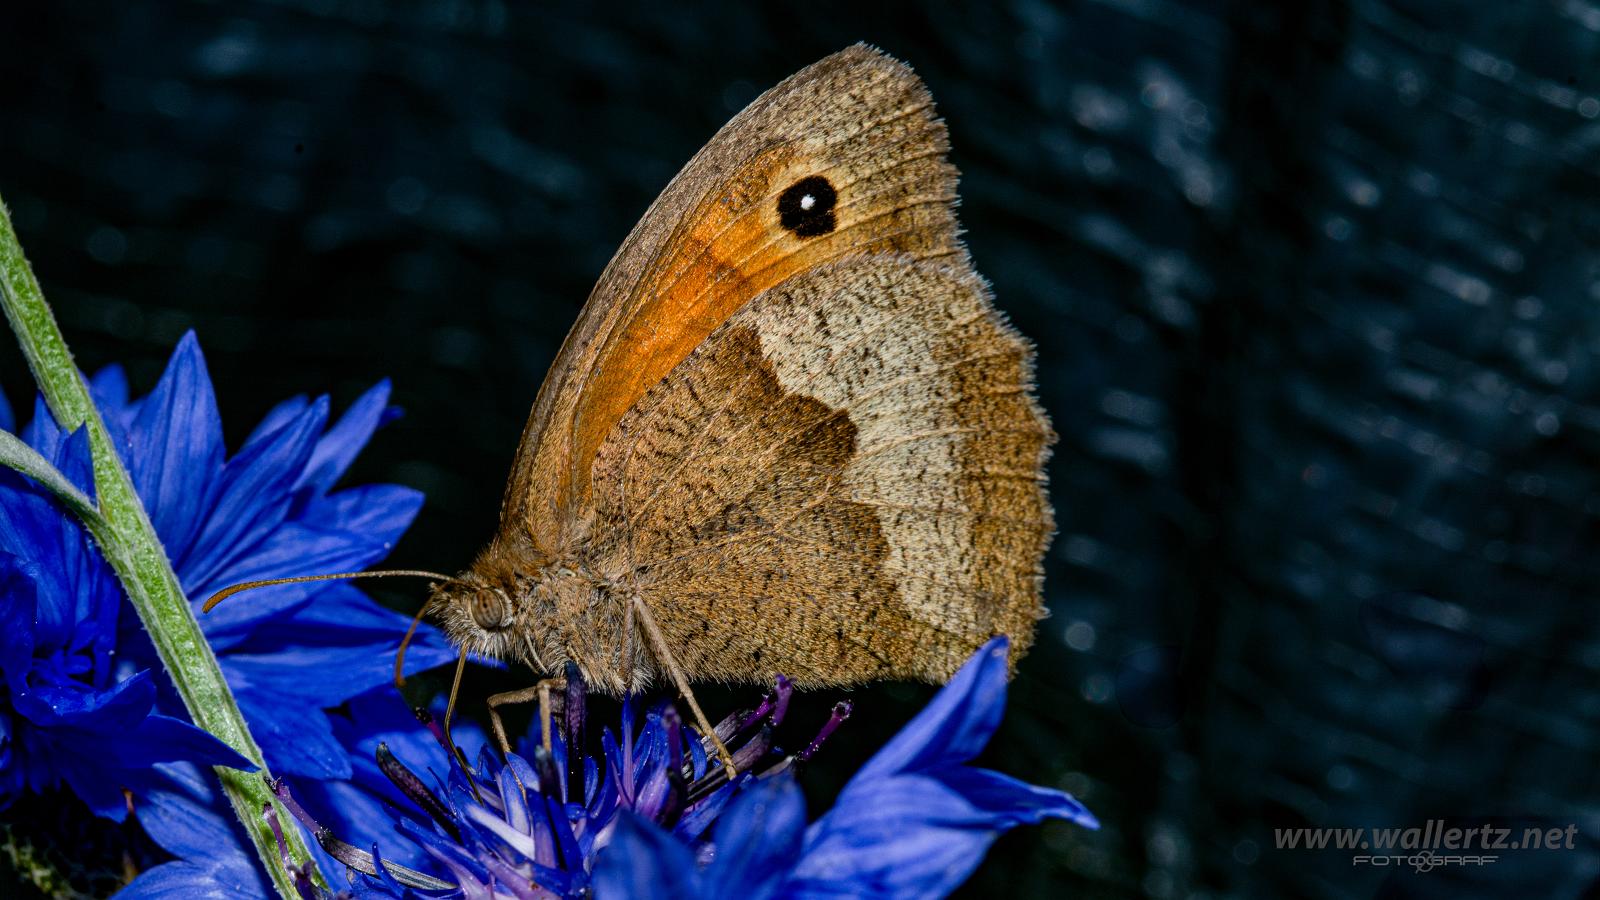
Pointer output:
806, 208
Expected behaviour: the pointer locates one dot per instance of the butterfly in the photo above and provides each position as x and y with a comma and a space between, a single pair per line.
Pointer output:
789, 433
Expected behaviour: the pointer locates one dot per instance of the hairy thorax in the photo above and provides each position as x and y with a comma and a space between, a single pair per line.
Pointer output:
517, 607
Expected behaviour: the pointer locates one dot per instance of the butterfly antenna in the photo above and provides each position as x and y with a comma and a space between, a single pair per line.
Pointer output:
227, 592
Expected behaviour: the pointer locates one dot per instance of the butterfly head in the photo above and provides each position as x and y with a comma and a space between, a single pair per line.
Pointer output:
483, 610
519, 605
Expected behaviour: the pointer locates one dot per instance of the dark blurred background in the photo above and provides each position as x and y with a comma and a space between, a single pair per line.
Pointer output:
1316, 289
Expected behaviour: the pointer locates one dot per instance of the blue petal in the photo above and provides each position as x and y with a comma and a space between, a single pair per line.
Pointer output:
338, 448
42, 433
109, 388
1010, 802
176, 445
18, 600
320, 676
96, 597
339, 534
36, 527
77, 600
165, 739
252, 501
914, 822
340, 638
205, 880
955, 726
916, 835
75, 462
644, 861
100, 755
758, 840
702, 815
266, 606
34, 530
28, 522
279, 416
185, 814
295, 737
340, 614
8, 419
119, 708
380, 512
181, 811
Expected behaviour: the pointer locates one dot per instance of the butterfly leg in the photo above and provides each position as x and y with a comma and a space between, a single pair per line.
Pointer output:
664, 654
626, 664
541, 692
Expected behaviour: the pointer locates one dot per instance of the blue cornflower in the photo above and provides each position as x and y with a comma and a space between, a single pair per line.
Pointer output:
269, 510
530, 823
62, 704
652, 819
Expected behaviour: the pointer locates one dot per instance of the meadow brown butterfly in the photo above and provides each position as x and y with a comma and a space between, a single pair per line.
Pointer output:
789, 433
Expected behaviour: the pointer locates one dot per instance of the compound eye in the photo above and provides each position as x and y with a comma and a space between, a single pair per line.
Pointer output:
491, 609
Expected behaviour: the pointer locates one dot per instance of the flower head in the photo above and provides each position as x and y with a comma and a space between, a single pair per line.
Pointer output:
76, 665
530, 822
650, 818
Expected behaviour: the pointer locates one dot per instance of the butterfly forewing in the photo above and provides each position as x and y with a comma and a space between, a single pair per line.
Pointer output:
859, 122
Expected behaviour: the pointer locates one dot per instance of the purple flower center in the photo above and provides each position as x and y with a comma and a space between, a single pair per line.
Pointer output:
531, 823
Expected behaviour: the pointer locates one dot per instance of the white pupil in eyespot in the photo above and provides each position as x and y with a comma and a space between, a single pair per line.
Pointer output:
807, 201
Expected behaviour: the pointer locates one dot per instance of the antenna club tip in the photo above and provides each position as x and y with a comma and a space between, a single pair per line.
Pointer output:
216, 598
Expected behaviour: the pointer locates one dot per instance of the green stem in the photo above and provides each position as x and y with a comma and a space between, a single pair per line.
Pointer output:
130, 545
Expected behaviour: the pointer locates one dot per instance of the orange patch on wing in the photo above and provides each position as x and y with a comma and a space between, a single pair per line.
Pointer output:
730, 249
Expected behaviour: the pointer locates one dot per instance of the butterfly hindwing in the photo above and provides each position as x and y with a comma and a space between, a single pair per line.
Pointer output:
842, 482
